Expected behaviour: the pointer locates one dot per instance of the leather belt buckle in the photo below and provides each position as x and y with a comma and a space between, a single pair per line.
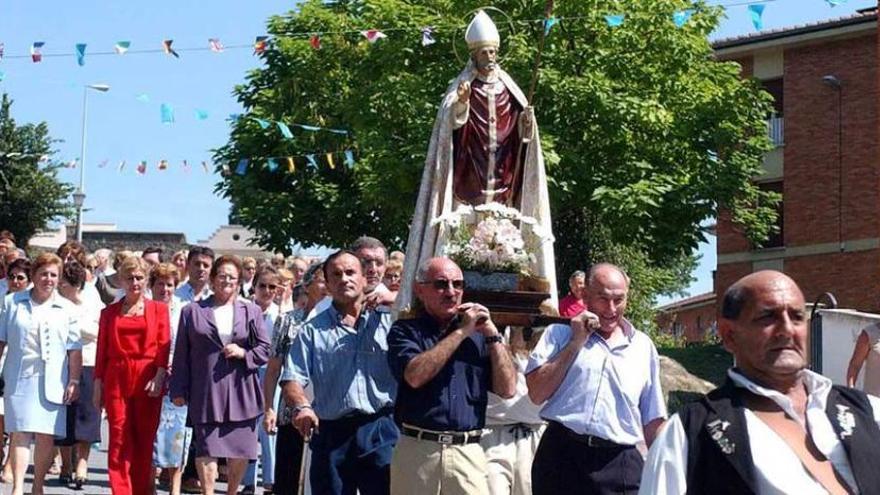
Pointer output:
445, 439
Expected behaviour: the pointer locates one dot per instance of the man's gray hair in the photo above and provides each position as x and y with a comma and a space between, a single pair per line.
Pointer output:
367, 242
594, 270
577, 274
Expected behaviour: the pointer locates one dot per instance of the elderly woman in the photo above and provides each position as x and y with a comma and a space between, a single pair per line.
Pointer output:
289, 443
42, 370
173, 437
221, 345
84, 419
133, 345
284, 291
265, 285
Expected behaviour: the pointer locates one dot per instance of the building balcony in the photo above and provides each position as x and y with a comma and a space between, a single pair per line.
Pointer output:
776, 130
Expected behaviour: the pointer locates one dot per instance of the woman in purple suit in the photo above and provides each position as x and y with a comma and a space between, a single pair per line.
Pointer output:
221, 344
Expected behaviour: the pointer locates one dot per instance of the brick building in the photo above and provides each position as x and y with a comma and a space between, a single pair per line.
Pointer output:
824, 80
692, 319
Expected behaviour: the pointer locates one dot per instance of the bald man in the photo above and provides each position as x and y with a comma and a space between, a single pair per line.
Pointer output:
774, 426
600, 378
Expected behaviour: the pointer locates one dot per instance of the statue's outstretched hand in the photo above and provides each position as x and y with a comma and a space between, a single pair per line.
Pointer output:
464, 92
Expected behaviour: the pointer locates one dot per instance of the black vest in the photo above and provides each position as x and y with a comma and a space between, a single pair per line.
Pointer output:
720, 457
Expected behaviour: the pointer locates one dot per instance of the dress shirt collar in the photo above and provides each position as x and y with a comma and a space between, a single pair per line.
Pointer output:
628, 333
817, 386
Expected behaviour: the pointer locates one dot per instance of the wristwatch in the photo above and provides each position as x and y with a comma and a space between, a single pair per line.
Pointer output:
297, 409
495, 339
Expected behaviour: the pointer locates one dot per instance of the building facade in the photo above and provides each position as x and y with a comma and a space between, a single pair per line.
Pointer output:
824, 81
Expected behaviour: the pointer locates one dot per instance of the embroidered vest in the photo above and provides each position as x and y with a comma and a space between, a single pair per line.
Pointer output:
720, 456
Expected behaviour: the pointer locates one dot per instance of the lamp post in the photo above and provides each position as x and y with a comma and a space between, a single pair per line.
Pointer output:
79, 197
835, 84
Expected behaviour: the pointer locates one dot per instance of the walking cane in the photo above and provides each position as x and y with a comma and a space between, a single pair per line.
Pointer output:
302, 465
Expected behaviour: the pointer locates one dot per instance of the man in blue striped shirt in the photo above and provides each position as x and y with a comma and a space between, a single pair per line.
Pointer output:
342, 353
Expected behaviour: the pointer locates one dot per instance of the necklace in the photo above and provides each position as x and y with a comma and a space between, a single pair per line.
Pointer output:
134, 309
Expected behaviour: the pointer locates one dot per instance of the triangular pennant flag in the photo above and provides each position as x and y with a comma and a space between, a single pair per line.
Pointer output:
264, 124
143, 98
338, 131
225, 170
285, 131
271, 164
142, 167
234, 117
614, 20
315, 41
349, 158
312, 161
290, 165
549, 23
121, 165
428, 36
835, 3
681, 17
757, 13
2, 76
215, 45
186, 167
330, 161
373, 35
241, 169
167, 113
260, 44
2, 49
205, 166
166, 46
308, 127
36, 55
103, 163
72, 163
163, 164
122, 46
81, 54
201, 114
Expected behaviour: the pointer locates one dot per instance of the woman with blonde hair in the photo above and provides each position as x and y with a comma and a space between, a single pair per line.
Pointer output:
133, 345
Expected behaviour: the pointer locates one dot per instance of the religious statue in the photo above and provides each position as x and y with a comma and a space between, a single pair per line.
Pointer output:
484, 148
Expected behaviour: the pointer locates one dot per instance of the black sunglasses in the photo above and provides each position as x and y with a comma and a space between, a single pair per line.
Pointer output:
444, 284
267, 286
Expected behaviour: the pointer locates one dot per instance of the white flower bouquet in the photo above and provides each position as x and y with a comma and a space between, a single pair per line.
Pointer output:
492, 238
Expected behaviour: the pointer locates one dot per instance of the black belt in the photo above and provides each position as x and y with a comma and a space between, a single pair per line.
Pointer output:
453, 438
588, 440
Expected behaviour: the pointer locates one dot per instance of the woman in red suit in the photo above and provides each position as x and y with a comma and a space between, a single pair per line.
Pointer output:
133, 345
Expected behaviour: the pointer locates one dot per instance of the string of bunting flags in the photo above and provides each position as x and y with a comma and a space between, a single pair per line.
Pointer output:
331, 160
261, 44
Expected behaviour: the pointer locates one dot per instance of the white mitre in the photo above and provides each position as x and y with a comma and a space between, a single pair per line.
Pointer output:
482, 32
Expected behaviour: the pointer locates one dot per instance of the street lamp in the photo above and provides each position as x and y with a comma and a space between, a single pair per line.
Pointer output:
834, 83
79, 197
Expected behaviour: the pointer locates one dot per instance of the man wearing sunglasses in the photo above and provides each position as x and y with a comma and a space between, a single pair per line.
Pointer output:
446, 361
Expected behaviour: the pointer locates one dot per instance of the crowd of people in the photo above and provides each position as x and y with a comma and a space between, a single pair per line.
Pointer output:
212, 368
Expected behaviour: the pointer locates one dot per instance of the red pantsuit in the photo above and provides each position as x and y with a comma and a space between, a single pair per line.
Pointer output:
130, 350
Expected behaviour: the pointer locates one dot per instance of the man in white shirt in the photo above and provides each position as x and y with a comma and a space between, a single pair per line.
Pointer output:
774, 427
600, 378
198, 267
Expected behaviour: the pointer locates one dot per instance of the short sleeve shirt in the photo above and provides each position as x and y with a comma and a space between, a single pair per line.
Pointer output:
455, 399
611, 390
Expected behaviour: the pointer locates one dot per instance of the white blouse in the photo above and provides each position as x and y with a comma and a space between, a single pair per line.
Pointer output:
223, 317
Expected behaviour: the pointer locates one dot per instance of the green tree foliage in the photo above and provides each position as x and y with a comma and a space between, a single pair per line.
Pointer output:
645, 135
31, 196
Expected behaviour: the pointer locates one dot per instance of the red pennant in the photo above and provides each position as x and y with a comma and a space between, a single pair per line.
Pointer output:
315, 41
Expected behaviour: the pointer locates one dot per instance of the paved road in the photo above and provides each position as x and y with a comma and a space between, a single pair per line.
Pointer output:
98, 483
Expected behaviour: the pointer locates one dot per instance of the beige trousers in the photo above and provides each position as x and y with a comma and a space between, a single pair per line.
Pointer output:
509, 452
422, 467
